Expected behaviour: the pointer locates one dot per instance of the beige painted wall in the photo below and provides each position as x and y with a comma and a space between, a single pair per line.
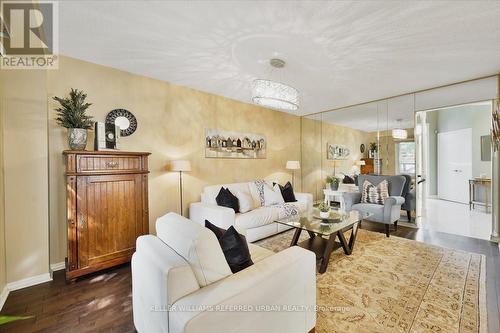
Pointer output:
3, 276
24, 108
316, 134
172, 121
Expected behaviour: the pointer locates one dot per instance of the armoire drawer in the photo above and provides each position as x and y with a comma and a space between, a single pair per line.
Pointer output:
97, 164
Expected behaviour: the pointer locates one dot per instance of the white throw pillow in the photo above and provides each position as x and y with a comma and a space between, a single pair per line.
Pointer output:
272, 195
255, 193
196, 244
245, 200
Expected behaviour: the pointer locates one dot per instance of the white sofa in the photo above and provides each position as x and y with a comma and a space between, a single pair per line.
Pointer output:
258, 223
181, 282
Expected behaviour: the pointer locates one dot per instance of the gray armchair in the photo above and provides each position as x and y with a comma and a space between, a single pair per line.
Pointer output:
388, 213
410, 198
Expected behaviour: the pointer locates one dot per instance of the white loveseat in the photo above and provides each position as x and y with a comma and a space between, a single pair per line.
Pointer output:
181, 282
258, 222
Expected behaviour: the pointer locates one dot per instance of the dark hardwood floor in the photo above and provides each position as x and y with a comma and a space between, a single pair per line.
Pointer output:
103, 302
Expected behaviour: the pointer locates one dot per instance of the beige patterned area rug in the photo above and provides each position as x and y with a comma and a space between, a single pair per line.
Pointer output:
398, 285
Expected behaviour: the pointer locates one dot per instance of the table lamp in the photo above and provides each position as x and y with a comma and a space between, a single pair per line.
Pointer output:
181, 166
293, 165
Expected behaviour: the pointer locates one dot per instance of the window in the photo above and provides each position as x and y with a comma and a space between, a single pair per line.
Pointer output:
405, 157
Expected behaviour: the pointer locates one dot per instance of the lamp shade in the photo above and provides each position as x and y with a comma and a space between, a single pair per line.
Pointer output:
181, 165
361, 162
293, 165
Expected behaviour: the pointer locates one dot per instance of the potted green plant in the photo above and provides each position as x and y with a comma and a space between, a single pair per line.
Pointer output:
324, 210
72, 114
332, 182
373, 148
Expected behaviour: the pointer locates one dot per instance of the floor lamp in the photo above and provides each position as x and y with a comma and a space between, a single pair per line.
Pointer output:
293, 165
181, 166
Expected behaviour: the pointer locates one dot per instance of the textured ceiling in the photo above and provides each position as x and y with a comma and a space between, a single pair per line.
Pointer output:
337, 53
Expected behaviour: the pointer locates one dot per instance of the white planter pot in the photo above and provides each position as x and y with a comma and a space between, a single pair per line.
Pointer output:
324, 215
77, 138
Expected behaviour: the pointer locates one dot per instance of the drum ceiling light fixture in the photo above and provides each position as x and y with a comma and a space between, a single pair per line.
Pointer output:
399, 133
274, 94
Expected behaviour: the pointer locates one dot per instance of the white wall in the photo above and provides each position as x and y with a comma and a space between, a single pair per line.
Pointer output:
475, 116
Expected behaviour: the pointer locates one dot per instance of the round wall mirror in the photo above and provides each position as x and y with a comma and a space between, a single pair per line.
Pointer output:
122, 122
124, 119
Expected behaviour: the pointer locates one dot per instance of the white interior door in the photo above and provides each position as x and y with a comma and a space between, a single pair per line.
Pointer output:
454, 165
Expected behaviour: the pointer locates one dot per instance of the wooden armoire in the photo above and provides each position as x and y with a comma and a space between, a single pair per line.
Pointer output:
107, 208
371, 166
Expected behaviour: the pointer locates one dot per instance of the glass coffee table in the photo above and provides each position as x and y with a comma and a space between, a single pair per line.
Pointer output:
323, 233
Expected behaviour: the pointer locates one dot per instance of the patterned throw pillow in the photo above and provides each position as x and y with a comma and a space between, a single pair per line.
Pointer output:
375, 194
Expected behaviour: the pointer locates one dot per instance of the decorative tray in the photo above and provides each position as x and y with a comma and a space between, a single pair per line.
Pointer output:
334, 217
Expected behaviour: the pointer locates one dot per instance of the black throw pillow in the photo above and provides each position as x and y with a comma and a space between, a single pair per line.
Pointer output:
215, 229
235, 250
287, 192
347, 180
226, 199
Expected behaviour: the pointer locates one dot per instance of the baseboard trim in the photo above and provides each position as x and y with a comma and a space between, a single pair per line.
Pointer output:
58, 266
28, 282
3, 296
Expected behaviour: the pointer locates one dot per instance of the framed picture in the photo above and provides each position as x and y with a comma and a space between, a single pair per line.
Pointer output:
225, 144
337, 152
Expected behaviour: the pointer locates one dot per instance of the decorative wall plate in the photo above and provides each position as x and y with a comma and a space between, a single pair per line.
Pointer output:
362, 148
123, 119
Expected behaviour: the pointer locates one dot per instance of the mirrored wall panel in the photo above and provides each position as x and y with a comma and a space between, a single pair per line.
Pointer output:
371, 138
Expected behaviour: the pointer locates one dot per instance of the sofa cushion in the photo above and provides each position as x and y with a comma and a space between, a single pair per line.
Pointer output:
235, 250
218, 232
272, 195
245, 201
257, 192
227, 199
210, 192
287, 192
376, 210
375, 194
257, 217
196, 244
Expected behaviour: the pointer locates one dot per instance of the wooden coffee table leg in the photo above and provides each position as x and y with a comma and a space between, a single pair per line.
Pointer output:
343, 242
354, 233
296, 236
326, 254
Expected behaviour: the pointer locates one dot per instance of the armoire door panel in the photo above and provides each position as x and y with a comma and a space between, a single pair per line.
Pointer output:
109, 215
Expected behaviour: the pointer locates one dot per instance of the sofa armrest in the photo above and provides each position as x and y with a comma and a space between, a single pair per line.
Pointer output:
305, 197
159, 278
350, 199
392, 208
394, 200
223, 217
256, 297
